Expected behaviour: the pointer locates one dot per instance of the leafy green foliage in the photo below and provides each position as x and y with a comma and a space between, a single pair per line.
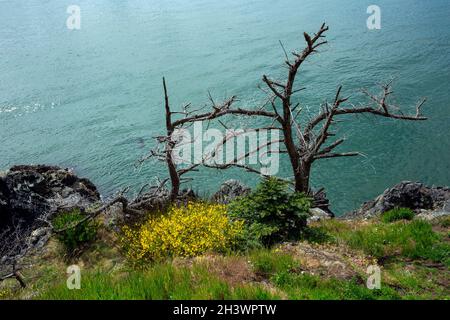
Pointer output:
73, 237
272, 213
397, 214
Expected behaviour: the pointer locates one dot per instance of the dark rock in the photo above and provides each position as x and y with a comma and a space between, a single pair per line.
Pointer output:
157, 198
188, 195
30, 195
229, 191
3, 202
30, 192
413, 195
321, 201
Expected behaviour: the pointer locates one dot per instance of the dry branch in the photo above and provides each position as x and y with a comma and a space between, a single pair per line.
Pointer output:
303, 141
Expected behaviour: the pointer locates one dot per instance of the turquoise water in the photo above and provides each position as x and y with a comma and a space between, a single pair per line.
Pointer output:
91, 99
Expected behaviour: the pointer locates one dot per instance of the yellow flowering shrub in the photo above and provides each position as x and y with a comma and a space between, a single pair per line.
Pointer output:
185, 231
4, 294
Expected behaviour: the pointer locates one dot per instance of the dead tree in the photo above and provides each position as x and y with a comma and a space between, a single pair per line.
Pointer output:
304, 140
13, 246
307, 142
184, 119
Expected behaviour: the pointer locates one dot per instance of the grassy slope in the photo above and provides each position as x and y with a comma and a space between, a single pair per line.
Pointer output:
329, 264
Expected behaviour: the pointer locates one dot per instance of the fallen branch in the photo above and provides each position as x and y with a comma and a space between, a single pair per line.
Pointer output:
119, 199
16, 275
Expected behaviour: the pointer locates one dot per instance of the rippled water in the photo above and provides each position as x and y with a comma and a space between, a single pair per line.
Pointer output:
91, 99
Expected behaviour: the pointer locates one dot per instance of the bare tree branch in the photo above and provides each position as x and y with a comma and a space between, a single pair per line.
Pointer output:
304, 141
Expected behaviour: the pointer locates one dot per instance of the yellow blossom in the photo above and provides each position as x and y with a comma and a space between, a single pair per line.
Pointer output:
186, 231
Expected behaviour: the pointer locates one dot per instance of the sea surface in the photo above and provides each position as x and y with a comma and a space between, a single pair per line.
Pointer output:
91, 99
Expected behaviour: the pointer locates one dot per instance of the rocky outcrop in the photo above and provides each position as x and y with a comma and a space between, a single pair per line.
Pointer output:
413, 195
328, 261
28, 192
430, 215
229, 191
321, 202
317, 214
30, 195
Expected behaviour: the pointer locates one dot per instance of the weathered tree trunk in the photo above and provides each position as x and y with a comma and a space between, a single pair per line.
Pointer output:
173, 173
302, 176
174, 177
293, 156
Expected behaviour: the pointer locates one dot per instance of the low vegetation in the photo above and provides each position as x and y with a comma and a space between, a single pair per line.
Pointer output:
163, 281
397, 214
272, 214
73, 231
258, 247
184, 231
412, 240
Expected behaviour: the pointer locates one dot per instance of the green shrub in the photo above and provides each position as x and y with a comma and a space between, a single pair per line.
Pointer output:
74, 237
397, 214
272, 213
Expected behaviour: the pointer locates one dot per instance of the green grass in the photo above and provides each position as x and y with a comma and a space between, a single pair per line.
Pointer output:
284, 273
414, 281
415, 240
445, 222
160, 282
397, 214
269, 262
167, 282
316, 234
414, 258
311, 287
5, 293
